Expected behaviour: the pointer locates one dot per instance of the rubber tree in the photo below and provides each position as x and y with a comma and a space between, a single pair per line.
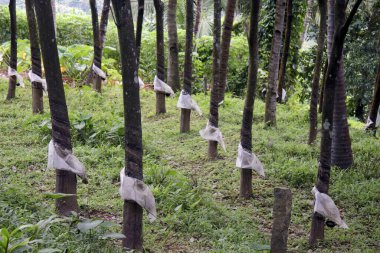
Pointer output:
140, 20
271, 95
173, 65
313, 114
97, 80
13, 53
37, 88
246, 126
160, 53
66, 181
132, 214
104, 23
285, 54
188, 68
198, 16
324, 166
372, 115
214, 104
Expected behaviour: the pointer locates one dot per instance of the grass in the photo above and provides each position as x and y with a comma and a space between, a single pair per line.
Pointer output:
197, 200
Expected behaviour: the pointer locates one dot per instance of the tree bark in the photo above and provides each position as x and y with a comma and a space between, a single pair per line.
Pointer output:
246, 126
97, 81
225, 46
104, 23
132, 215
187, 77
320, 101
160, 65
284, 58
66, 181
323, 177
341, 152
307, 20
271, 96
37, 91
313, 115
376, 97
198, 17
214, 113
13, 55
173, 66
140, 20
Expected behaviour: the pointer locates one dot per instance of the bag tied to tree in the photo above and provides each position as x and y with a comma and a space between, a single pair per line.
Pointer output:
99, 72
13, 72
186, 102
133, 189
326, 207
161, 86
212, 133
63, 159
34, 78
248, 160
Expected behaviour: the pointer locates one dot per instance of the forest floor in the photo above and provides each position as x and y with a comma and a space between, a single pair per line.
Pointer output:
198, 204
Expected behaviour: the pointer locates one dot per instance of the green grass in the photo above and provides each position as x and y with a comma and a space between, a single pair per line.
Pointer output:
197, 200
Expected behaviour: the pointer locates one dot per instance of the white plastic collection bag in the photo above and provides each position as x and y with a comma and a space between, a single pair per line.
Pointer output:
283, 96
161, 86
141, 83
63, 159
135, 190
325, 206
186, 102
248, 160
35, 78
13, 72
99, 72
212, 133
369, 121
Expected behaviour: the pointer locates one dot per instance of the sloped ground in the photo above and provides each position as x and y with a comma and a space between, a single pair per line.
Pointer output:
198, 204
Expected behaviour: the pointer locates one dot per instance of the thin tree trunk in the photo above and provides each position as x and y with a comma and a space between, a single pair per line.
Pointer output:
198, 17
160, 65
37, 90
307, 20
13, 56
173, 67
317, 72
270, 103
246, 127
65, 181
376, 97
97, 81
225, 46
323, 177
341, 153
325, 66
284, 58
104, 23
140, 20
214, 114
132, 215
187, 77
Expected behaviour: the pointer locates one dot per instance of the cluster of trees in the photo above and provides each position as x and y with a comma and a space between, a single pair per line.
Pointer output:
335, 146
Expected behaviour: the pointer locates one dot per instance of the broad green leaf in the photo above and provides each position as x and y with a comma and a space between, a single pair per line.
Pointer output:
49, 250
87, 225
53, 195
113, 236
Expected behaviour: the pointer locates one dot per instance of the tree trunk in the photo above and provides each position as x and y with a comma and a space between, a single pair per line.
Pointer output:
317, 72
173, 67
103, 24
284, 58
66, 181
160, 65
37, 91
13, 56
132, 215
307, 20
271, 96
187, 77
54, 8
323, 177
214, 114
341, 153
376, 97
140, 20
97, 81
246, 126
225, 46
325, 66
198, 17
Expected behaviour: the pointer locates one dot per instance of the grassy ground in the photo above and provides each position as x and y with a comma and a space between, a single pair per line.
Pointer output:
197, 199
